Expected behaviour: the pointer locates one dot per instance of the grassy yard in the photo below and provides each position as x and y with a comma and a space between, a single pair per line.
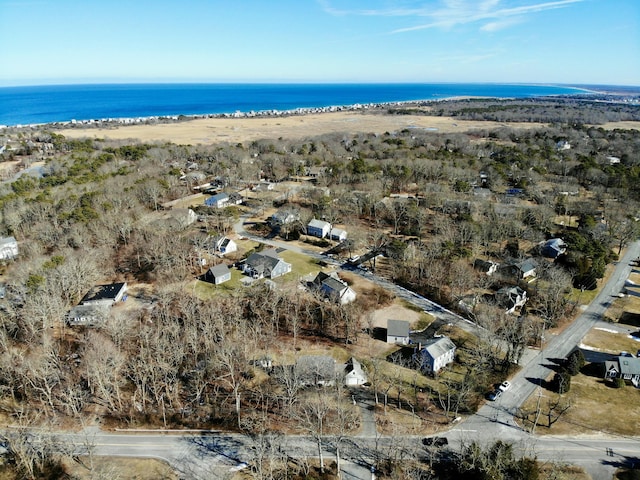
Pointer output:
610, 341
595, 408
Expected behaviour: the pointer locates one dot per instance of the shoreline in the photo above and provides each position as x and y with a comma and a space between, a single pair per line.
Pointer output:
294, 111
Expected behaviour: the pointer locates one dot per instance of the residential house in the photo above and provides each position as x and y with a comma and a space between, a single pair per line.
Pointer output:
218, 274
353, 373
553, 248
318, 228
485, 266
219, 200
90, 315
285, 216
435, 354
316, 370
8, 248
511, 298
105, 294
223, 245
265, 264
263, 187
334, 288
398, 331
338, 234
625, 367
235, 198
94, 307
563, 145
519, 270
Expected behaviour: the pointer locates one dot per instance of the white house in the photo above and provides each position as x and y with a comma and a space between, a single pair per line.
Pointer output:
318, 228
8, 248
354, 375
435, 354
338, 234
223, 245
88, 315
265, 264
334, 288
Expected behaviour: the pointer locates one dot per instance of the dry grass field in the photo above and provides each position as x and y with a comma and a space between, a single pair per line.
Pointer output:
234, 130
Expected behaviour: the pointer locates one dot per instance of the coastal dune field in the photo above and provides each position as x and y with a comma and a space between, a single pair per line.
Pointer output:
234, 130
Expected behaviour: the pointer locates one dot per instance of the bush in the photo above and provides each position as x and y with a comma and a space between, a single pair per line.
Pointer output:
619, 382
575, 362
562, 381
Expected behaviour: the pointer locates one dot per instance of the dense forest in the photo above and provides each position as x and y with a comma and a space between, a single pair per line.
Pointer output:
433, 203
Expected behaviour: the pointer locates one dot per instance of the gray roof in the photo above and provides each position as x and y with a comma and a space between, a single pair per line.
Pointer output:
318, 224
264, 262
439, 346
219, 270
8, 241
316, 368
398, 328
629, 365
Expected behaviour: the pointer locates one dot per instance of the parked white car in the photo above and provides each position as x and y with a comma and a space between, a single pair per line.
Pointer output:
504, 386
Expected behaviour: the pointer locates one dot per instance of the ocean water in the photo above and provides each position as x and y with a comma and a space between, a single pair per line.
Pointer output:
63, 103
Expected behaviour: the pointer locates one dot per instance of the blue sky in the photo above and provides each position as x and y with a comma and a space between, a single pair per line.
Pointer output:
524, 41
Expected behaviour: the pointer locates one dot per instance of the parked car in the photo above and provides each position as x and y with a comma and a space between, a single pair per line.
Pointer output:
493, 396
504, 386
435, 441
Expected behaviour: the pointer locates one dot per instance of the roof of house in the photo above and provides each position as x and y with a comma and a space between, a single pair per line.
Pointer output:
527, 265
104, 292
321, 224
8, 241
354, 366
439, 346
338, 232
398, 328
218, 197
219, 270
629, 365
265, 261
554, 247
316, 368
100, 311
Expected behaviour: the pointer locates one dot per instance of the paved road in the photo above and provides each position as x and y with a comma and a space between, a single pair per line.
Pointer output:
212, 455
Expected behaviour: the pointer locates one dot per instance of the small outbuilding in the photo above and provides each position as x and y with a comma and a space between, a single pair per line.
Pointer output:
398, 331
218, 274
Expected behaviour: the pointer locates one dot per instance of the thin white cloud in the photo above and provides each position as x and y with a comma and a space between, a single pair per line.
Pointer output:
450, 13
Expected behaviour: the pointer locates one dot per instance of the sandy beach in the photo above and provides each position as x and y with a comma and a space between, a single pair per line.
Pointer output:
234, 130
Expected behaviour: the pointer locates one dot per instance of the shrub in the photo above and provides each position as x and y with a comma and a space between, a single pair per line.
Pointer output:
562, 381
618, 382
575, 362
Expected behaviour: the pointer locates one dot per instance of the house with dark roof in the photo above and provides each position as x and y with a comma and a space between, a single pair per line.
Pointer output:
553, 248
520, 270
437, 353
398, 331
284, 216
511, 298
265, 264
8, 248
625, 367
105, 294
94, 308
333, 288
218, 274
485, 266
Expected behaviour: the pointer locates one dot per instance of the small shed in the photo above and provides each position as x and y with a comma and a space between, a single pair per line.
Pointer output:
398, 331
